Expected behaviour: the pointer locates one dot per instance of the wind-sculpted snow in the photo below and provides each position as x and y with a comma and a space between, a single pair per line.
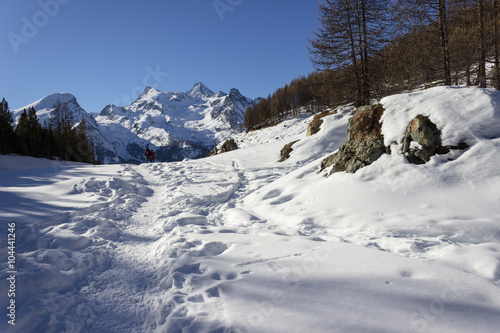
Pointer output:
240, 242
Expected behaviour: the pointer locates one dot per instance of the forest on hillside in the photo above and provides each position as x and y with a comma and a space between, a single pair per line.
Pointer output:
57, 138
368, 49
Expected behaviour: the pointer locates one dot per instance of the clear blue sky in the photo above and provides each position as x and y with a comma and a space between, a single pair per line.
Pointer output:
106, 51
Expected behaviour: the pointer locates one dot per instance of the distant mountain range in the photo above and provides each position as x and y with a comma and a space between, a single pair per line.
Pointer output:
177, 125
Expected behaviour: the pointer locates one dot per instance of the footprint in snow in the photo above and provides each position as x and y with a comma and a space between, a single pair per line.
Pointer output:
210, 249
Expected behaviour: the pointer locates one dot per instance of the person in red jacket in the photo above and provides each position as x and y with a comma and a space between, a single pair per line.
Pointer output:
152, 156
148, 154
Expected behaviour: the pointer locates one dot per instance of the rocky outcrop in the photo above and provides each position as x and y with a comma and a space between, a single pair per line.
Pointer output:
315, 125
286, 150
422, 140
365, 142
226, 146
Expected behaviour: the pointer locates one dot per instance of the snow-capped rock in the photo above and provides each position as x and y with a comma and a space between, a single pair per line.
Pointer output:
200, 90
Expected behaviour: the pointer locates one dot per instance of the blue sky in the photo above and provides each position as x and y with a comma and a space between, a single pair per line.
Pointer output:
106, 51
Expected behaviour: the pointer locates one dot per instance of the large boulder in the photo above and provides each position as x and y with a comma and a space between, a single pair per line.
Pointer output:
422, 140
224, 147
286, 150
315, 125
365, 142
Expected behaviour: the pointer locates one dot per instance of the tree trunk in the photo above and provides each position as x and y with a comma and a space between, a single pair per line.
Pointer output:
366, 82
361, 32
468, 62
497, 65
443, 31
481, 74
353, 55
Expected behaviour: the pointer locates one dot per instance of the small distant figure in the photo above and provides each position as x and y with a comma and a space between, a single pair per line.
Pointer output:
152, 156
148, 154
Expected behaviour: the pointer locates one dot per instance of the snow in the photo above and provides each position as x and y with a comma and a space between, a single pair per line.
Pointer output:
240, 242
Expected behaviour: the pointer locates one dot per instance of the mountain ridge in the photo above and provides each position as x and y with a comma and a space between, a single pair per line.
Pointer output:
178, 125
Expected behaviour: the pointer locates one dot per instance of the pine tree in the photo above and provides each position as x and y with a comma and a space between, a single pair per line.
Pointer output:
50, 145
7, 134
29, 133
61, 124
34, 133
84, 146
22, 133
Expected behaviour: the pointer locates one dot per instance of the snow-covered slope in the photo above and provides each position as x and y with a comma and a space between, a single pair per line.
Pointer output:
240, 242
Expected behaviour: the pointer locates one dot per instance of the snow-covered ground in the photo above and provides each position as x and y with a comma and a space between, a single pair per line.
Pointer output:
240, 242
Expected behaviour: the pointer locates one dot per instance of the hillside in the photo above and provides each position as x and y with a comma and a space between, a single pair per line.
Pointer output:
242, 242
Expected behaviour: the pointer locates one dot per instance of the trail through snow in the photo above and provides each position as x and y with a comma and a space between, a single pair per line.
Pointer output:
240, 242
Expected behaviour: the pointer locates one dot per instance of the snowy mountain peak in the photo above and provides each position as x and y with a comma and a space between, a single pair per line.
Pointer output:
199, 90
45, 105
49, 101
149, 89
149, 92
220, 94
235, 93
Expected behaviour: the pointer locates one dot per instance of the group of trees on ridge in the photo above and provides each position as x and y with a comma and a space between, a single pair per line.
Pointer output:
58, 138
283, 101
368, 49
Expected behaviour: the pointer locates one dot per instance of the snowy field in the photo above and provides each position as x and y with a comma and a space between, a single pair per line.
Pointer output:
240, 242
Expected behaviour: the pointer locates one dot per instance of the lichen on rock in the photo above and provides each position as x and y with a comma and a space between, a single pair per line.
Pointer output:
422, 140
365, 142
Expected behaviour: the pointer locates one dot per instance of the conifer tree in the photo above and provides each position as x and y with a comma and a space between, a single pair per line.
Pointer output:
34, 133
22, 133
7, 134
61, 124
84, 146
29, 133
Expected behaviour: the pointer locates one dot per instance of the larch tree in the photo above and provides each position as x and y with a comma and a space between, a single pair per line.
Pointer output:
496, 74
417, 14
481, 72
351, 32
462, 38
